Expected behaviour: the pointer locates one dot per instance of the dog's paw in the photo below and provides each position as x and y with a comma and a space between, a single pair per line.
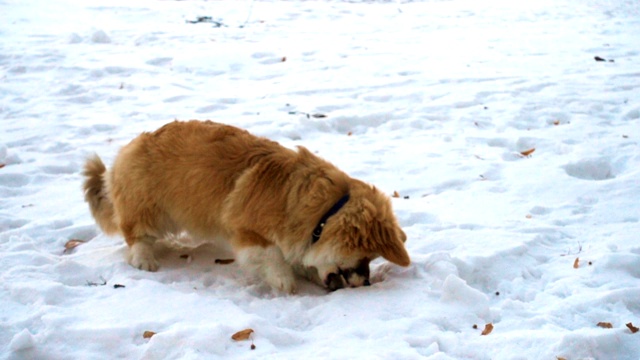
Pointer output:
281, 278
141, 257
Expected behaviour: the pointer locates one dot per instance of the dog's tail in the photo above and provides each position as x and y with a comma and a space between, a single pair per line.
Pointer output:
96, 194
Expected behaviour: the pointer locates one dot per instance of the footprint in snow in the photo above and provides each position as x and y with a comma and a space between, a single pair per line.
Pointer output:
591, 169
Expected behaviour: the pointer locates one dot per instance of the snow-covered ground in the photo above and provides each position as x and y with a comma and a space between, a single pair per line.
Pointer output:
434, 100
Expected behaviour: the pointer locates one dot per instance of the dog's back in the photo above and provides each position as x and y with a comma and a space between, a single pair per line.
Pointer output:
178, 177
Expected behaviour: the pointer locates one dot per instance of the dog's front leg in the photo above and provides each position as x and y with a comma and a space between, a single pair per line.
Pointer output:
260, 256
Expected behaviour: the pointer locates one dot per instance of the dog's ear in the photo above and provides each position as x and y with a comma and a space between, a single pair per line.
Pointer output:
403, 236
394, 251
386, 239
391, 246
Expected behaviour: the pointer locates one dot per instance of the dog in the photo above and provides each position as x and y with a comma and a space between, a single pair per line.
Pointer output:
280, 209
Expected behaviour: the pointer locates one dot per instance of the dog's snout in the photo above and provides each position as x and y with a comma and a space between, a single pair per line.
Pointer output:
354, 278
348, 277
334, 282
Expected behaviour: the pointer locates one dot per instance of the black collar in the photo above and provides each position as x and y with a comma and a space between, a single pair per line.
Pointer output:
334, 209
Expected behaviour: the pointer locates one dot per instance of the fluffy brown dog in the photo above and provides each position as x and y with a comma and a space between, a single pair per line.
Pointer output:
279, 208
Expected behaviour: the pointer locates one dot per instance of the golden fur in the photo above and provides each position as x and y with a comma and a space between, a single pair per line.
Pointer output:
212, 180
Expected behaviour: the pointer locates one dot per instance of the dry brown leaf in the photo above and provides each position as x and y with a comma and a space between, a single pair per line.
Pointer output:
72, 244
148, 334
576, 263
242, 335
560, 358
528, 152
556, 123
395, 194
529, 216
349, 133
632, 328
605, 325
2, 165
487, 329
224, 261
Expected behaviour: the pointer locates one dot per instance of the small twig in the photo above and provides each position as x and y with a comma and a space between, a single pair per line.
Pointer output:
248, 15
317, 116
206, 19
570, 253
103, 283
224, 261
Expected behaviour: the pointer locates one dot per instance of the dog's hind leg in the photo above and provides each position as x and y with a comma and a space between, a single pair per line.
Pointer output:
141, 254
140, 243
141, 226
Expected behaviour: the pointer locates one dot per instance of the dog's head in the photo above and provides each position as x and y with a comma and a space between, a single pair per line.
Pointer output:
362, 230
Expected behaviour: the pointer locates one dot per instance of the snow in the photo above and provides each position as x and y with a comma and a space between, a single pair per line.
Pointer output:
433, 99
